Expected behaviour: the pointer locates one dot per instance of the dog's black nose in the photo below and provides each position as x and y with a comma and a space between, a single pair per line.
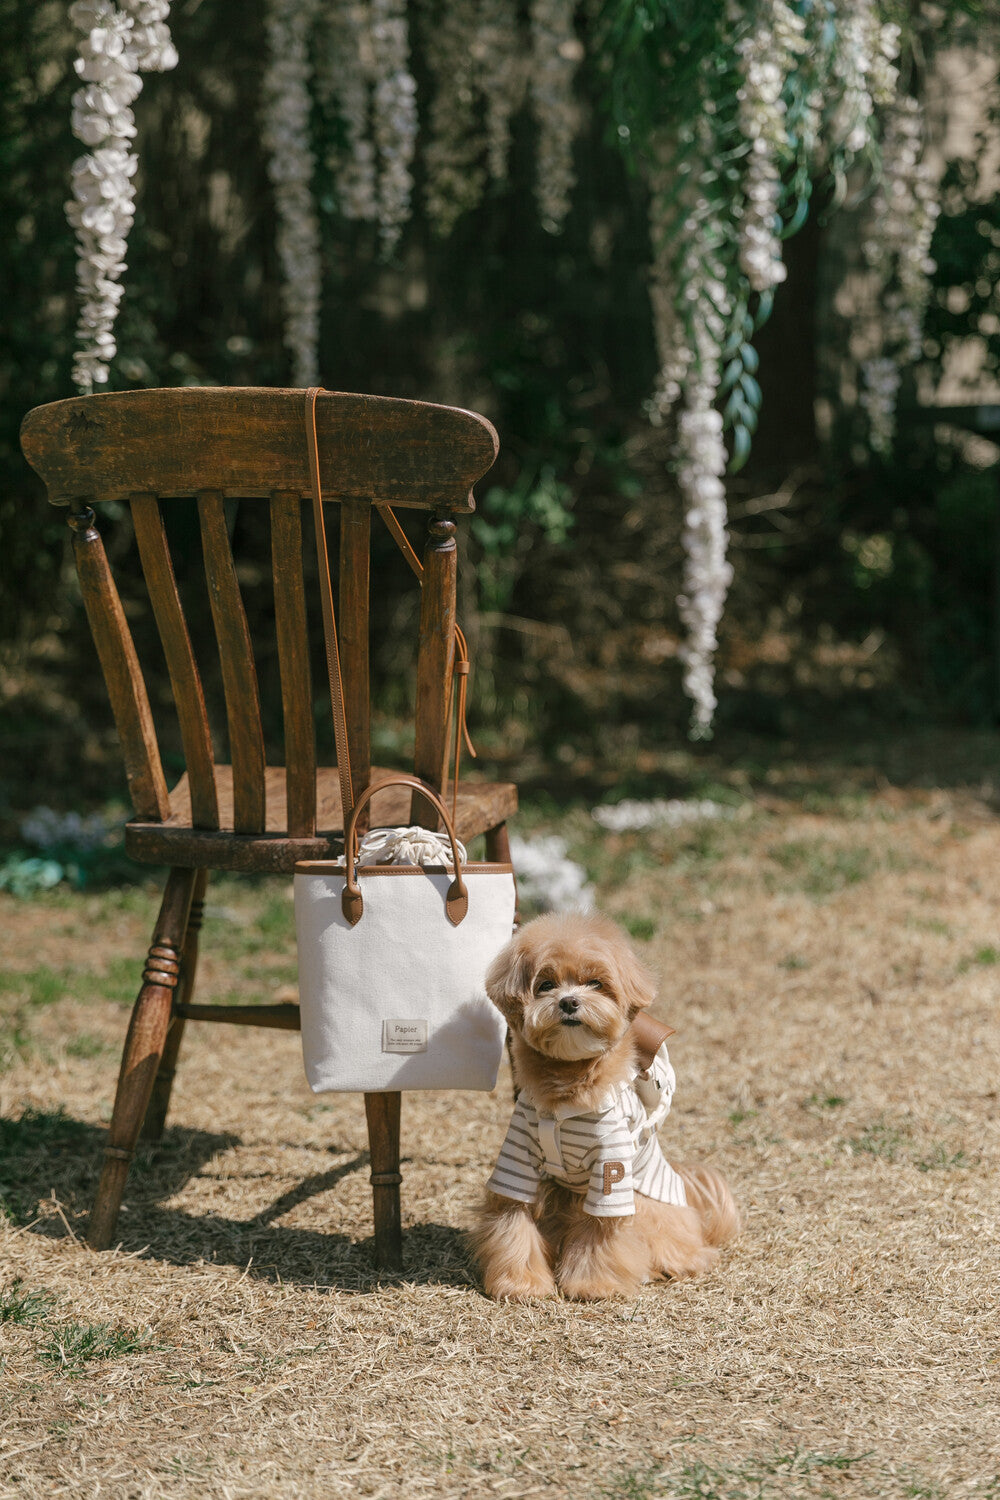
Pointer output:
569, 1006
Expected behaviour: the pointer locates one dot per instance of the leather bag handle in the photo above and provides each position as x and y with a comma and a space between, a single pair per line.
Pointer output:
351, 901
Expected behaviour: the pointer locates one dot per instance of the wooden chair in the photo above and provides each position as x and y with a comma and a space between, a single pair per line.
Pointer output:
148, 448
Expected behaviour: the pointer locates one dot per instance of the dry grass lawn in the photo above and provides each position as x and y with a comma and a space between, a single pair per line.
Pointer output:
831, 966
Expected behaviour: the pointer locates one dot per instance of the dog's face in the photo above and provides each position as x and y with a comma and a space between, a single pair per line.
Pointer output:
569, 985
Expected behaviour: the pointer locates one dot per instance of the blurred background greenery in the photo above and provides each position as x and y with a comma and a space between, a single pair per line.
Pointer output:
865, 588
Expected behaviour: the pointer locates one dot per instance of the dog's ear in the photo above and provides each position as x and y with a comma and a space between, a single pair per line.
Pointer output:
636, 984
508, 982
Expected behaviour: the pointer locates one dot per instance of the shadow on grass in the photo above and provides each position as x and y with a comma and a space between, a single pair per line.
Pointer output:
49, 1158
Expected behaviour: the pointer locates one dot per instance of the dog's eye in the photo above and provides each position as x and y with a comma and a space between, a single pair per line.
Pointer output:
546, 984
594, 984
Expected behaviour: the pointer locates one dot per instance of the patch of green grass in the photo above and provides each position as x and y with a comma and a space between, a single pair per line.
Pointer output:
824, 1101
642, 928
879, 1139
86, 1045
940, 1159
16, 1043
758, 1479
23, 1308
40, 986
73, 1346
930, 924
635, 1484
831, 803
982, 958
820, 868
737, 1116
793, 961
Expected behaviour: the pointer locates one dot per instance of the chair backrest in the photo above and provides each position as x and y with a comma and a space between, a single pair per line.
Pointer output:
151, 447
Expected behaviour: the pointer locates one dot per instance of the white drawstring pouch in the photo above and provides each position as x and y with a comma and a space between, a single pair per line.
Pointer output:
393, 959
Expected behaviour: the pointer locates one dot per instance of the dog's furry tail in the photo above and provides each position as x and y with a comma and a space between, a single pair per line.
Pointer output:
708, 1194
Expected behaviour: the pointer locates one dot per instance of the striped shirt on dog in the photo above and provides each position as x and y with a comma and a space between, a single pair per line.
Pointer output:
609, 1155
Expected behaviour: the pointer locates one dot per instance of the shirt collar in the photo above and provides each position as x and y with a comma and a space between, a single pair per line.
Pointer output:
567, 1111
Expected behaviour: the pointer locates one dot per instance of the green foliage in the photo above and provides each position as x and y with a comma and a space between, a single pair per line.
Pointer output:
69, 1349
24, 875
822, 869
23, 1308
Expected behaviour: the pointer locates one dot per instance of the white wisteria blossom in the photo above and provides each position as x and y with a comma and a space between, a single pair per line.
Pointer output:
502, 73
395, 116
701, 463
455, 148
632, 816
547, 877
767, 53
863, 71
691, 331
115, 43
345, 70
903, 213
556, 53
286, 104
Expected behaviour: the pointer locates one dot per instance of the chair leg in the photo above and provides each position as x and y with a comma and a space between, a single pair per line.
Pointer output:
382, 1111
498, 845
498, 853
147, 1033
159, 1103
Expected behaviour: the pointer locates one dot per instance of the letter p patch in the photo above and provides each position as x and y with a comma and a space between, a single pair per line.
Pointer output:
614, 1171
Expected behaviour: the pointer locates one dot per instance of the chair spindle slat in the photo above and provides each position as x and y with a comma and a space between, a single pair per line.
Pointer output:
435, 663
122, 673
189, 698
355, 576
293, 660
239, 674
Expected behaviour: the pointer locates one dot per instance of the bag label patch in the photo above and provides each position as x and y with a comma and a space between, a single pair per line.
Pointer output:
404, 1036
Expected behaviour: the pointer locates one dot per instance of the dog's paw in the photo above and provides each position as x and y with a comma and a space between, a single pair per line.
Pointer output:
528, 1287
695, 1263
593, 1288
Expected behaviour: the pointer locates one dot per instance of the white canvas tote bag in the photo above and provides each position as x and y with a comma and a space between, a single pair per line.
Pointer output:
392, 962
392, 957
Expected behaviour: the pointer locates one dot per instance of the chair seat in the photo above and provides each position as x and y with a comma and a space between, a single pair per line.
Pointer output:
176, 842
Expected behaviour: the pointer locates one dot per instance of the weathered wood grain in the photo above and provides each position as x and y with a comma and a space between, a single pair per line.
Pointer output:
189, 699
143, 1046
239, 675
163, 1083
293, 658
248, 441
481, 806
281, 1017
122, 673
383, 1111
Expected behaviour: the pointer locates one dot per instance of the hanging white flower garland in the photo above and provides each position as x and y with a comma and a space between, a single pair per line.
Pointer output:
290, 167
903, 214
556, 53
766, 55
115, 44
481, 67
395, 116
344, 73
455, 148
503, 75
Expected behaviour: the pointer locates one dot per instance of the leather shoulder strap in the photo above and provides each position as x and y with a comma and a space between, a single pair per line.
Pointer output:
329, 618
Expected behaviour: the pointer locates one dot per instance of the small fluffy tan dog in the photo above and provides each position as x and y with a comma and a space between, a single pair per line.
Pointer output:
582, 1200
